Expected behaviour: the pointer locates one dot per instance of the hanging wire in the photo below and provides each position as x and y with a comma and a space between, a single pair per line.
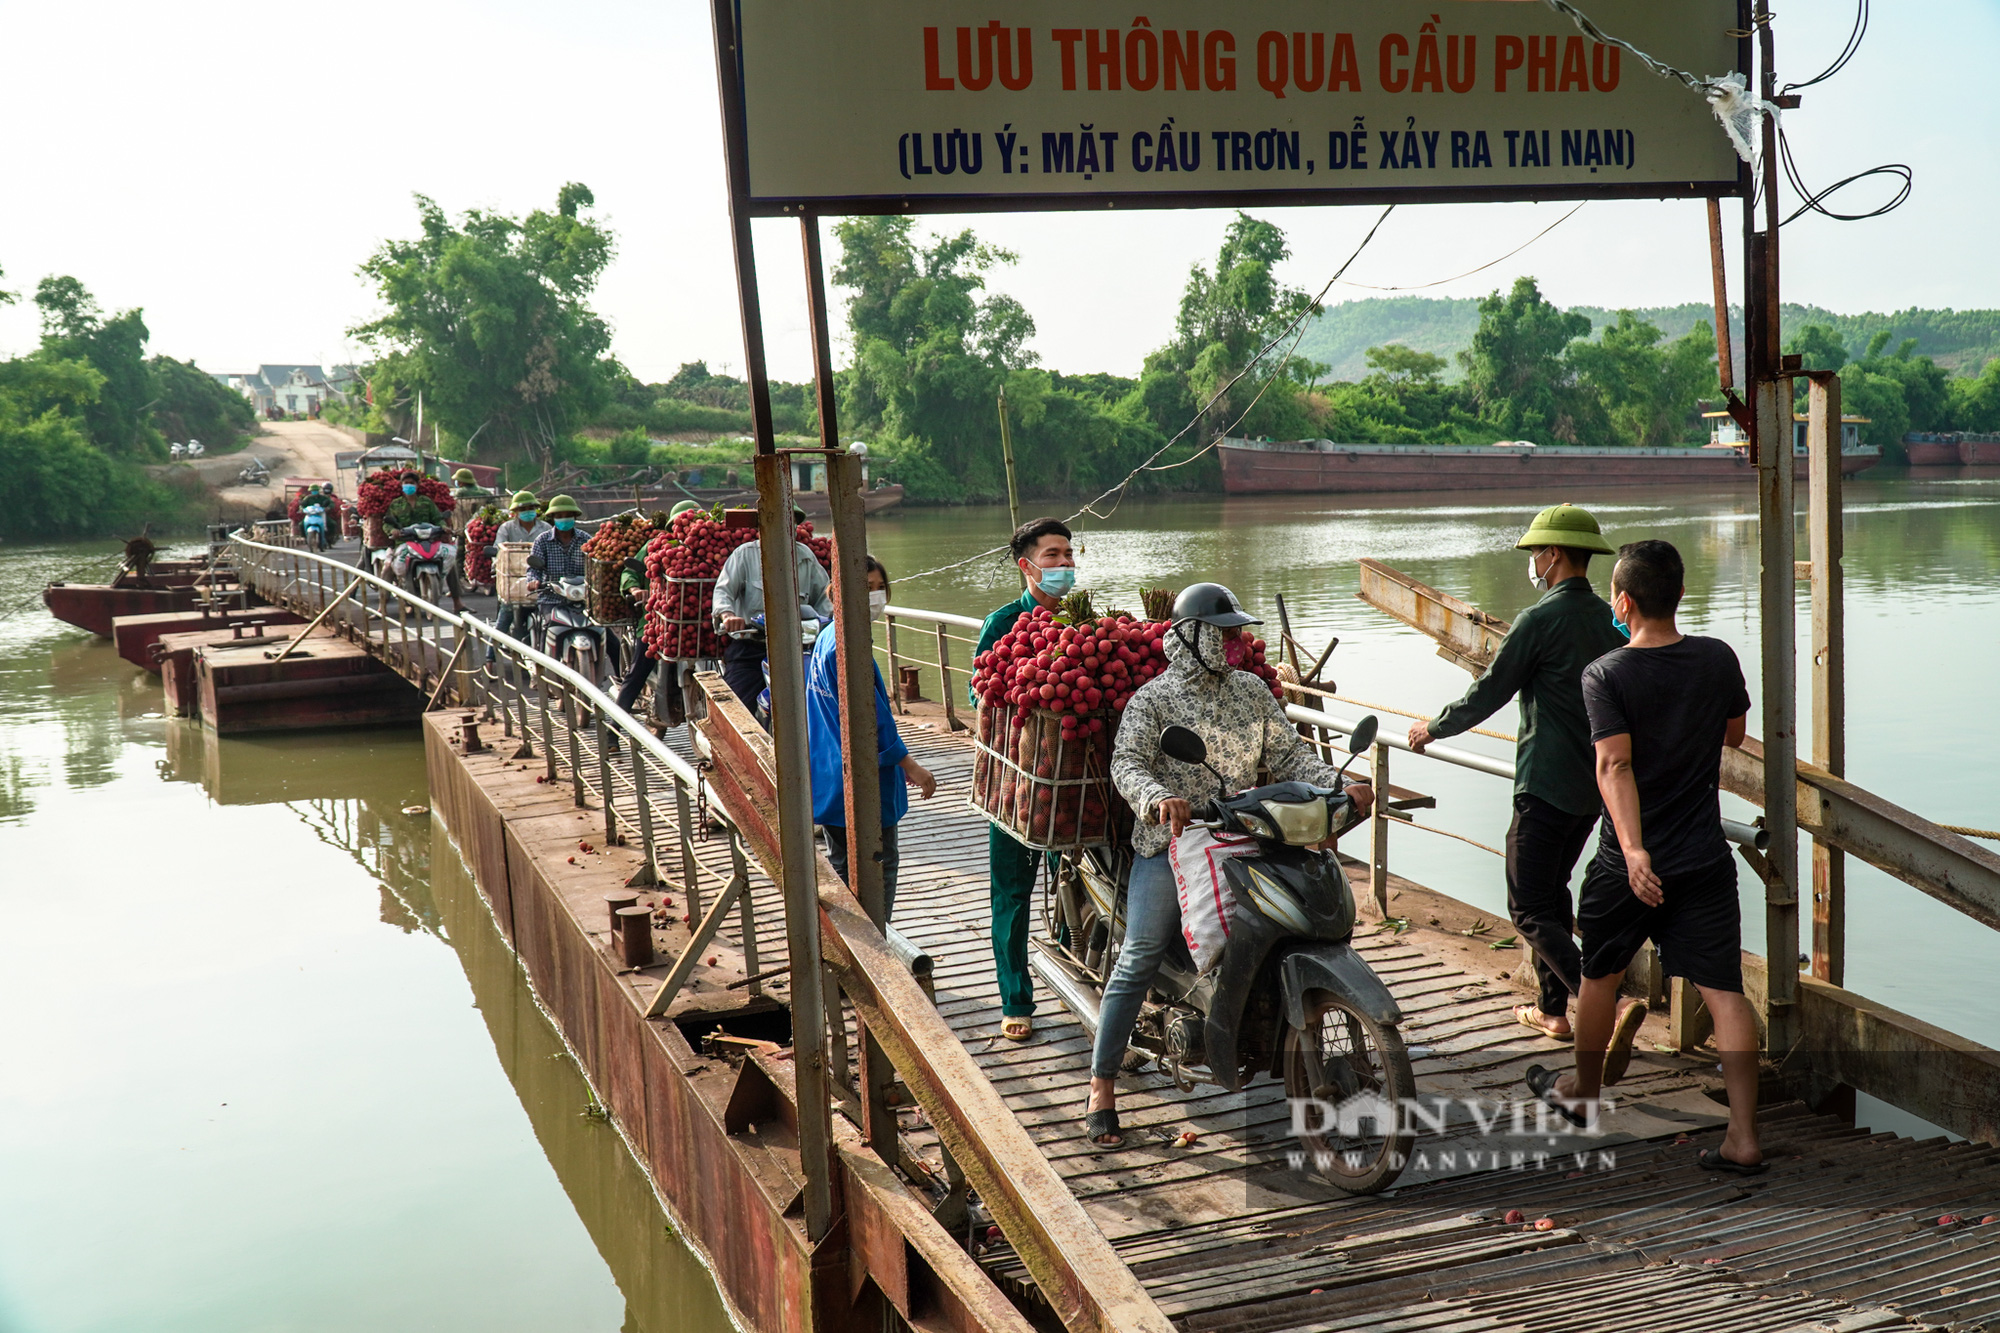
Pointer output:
1811, 200
1847, 52
1298, 322
1420, 286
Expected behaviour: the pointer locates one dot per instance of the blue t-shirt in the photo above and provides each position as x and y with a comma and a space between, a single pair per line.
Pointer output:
823, 740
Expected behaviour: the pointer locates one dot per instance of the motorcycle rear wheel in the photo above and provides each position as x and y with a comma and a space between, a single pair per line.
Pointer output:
1343, 1053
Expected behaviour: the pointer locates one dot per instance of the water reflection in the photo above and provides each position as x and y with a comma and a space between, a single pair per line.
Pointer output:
666, 1289
348, 789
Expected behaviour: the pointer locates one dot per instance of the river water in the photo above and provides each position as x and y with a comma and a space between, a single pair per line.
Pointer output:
268, 1064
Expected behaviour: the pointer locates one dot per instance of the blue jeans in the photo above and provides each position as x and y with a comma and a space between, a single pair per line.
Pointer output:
1152, 916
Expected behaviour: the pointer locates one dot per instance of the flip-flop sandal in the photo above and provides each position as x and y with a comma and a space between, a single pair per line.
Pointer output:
1711, 1159
1100, 1125
1618, 1055
1017, 1027
1542, 1082
1529, 1016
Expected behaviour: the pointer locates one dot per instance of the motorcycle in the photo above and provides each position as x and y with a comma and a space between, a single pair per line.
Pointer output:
810, 626
313, 522
424, 556
194, 449
1289, 997
567, 632
254, 473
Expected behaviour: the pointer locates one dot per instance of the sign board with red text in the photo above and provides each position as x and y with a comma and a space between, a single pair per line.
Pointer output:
944, 106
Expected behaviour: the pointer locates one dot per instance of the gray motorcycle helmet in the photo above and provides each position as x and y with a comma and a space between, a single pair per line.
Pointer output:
1212, 604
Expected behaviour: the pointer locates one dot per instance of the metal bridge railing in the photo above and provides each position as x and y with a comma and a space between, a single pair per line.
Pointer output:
652, 798
919, 638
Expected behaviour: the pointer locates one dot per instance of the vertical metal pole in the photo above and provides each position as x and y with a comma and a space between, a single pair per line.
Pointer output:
690, 867
1829, 667
861, 764
822, 336
746, 914
895, 672
1724, 361
642, 797
1778, 584
798, 861
1378, 828
1778, 589
604, 776
951, 721
573, 725
1007, 454
548, 736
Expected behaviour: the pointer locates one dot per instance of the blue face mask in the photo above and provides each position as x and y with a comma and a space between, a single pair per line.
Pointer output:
528, 515
1057, 580
565, 525
409, 488
1620, 625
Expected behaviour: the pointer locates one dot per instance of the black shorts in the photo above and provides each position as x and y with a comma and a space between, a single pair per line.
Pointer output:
1698, 927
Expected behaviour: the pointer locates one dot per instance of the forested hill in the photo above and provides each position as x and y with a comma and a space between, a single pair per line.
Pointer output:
1960, 340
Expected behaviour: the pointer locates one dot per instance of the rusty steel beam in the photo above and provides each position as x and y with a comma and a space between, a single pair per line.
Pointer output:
1087, 1284
1465, 635
1954, 870
1947, 1079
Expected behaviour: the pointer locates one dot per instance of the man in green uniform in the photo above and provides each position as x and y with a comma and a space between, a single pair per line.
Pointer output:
413, 507
1042, 553
1555, 778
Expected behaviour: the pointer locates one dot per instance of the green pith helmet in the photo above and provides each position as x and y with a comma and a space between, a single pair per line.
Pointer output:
463, 476
1565, 525
564, 506
681, 508
524, 500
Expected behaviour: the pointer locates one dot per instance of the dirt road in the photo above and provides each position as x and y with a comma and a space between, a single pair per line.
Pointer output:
289, 449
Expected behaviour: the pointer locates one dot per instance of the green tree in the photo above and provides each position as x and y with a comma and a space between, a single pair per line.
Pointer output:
189, 403
1975, 400
1227, 315
1515, 368
74, 329
1645, 393
490, 319
1926, 395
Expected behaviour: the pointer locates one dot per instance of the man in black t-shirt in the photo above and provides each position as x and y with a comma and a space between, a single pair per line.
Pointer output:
1661, 709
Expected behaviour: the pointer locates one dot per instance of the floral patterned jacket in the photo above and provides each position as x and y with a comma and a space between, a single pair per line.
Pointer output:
1233, 713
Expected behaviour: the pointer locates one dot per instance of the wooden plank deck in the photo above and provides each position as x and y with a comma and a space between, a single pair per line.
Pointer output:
1841, 1234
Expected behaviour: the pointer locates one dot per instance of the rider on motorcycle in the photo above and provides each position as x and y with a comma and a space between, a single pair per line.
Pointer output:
557, 555
1245, 730
409, 509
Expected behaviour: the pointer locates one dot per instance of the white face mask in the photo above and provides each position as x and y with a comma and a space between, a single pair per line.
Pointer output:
878, 601
1535, 576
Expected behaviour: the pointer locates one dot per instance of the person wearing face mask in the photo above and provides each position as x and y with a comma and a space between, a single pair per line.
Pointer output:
900, 770
1555, 784
1042, 553
560, 555
526, 524
409, 509
1245, 730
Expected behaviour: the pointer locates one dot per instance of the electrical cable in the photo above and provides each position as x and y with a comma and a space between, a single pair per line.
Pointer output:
1419, 286
1298, 322
1811, 200
1847, 52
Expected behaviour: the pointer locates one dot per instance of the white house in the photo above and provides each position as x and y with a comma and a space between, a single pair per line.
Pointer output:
291, 389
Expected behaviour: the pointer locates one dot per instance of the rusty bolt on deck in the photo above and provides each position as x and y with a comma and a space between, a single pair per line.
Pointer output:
469, 725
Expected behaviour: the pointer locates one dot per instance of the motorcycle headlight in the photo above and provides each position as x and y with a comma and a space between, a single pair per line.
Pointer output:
1299, 823
1255, 826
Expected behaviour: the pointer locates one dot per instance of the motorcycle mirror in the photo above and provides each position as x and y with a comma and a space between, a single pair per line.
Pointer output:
1179, 743
536, 562
1364, 734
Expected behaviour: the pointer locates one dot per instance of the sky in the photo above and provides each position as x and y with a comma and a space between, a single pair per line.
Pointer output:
226, 167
